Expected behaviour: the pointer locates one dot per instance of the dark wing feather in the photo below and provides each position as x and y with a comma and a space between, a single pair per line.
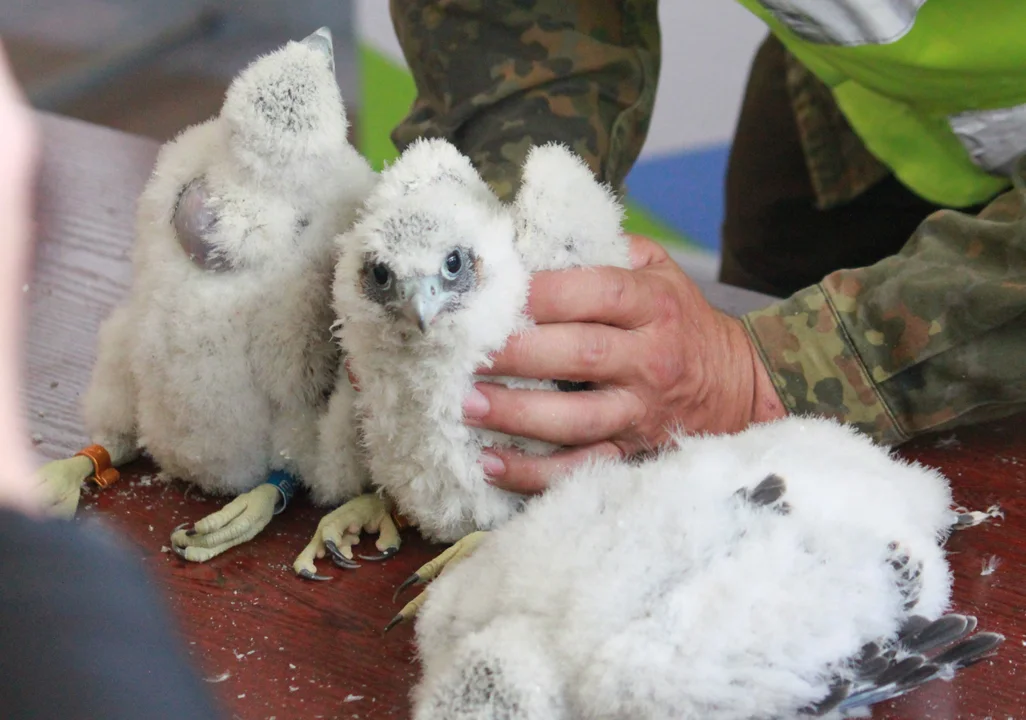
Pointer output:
908, 668
922, 651
768, 493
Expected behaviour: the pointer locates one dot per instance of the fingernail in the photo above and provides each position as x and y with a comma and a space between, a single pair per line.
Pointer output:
492, 464
476, 405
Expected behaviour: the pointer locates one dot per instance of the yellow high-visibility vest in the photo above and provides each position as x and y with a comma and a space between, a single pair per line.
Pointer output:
936, 89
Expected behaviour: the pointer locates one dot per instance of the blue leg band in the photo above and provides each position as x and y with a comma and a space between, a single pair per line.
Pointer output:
286, 485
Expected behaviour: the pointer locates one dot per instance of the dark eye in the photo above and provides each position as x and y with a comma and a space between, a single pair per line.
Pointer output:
381, 274
454, 263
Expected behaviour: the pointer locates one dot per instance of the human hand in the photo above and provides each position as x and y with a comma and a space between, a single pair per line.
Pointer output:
18, 148
658, 357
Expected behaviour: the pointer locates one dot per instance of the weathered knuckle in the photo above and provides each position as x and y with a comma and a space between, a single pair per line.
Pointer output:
666, 307
636, 418
593, 351
616, 289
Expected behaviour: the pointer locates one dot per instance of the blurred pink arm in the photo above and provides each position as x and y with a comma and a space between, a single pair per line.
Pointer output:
18, 153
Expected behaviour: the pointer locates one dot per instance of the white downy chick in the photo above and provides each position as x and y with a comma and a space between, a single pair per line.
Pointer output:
564, 217
220, 360
431, 248
767, 574
428, 283
431, 279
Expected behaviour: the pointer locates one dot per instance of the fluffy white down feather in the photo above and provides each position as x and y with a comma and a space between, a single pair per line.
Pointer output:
412, 383
220, 370
652, 591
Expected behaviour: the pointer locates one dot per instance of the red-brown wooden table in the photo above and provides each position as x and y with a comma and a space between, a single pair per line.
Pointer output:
274, 646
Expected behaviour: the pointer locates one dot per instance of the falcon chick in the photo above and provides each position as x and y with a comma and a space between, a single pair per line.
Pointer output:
792, 569
431, 279
220, 361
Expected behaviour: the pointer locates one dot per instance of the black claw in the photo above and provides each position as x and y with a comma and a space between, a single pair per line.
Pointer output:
338, 558
179, 551
411, 580
307, 575
393, 622
385, 555
344, 562
332, 548
190, 533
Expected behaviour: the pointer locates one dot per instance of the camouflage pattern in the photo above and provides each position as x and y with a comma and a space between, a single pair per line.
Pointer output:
840, 166
492, 75
928, 339
496, 77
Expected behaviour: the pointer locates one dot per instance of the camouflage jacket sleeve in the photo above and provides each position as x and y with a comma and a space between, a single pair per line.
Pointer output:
496, 77
928, 339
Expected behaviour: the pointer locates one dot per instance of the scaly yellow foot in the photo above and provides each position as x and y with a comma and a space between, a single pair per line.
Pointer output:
237, 522
60, 481
340, 529
452, 555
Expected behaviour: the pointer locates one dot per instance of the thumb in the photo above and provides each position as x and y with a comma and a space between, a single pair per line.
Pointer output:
645, 251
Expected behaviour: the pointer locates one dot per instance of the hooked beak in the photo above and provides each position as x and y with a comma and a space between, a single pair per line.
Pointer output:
321, 40
421, 299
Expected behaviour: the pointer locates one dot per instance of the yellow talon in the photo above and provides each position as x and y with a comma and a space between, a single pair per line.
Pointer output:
452, 555
339, 531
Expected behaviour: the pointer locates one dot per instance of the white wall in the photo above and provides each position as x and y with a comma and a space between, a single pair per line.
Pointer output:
707, 48
374, 26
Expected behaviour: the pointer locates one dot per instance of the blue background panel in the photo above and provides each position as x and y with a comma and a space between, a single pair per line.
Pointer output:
684, 191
